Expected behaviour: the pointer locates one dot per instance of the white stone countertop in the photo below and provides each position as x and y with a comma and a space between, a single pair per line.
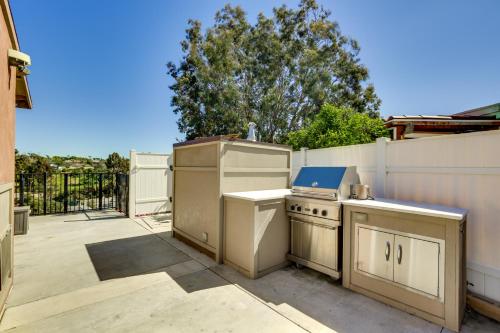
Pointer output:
410, 207
260, 195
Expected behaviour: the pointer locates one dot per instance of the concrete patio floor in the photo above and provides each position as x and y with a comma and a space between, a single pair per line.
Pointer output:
101, 272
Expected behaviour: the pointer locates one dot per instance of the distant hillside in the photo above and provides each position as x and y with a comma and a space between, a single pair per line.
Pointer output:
34, 163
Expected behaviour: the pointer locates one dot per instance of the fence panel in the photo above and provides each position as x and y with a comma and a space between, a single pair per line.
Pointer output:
149, 183
461, 170
361, 156
66, 192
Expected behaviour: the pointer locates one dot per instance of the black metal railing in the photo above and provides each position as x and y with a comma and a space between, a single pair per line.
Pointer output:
71, 192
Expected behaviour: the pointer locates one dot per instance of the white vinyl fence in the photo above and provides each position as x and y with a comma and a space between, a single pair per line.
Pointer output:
461, 170
149, 183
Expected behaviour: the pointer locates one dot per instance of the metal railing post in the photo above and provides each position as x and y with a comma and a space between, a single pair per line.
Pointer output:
127, 184
65, 193
45, 193
100, 191
21, 189
116, 191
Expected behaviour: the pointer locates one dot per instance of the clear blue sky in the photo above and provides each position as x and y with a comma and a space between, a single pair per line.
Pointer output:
99, 80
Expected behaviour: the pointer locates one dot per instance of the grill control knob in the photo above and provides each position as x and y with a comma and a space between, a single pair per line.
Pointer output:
315, 211
324, 212
299, 208
292, 207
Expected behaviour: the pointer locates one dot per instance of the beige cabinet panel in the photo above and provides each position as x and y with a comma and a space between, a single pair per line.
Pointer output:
427, 259
416, 264
5, 211
196, 204
256, 235
375, 253
205, 169
272, 234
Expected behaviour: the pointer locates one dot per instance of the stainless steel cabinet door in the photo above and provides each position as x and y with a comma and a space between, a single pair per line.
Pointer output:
374, 252
416, 264
315, 243
301, 233
324, 246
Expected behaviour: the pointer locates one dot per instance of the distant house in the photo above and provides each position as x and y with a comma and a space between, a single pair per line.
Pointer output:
14, 92
490, 111
410, 127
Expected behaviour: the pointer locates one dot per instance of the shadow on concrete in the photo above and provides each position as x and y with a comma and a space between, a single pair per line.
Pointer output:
97, 219
161, 218
146, 254
165, 235
132, 256
201, 280
95, 215
103, 214
325, 302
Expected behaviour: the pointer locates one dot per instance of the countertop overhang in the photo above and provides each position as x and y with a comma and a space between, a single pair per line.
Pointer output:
411, 207
259, 195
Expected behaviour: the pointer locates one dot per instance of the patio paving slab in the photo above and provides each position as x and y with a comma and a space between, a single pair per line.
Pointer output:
208, 304
310, 297
103, 273
53, 257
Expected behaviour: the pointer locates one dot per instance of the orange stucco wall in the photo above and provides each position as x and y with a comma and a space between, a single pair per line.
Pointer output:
7, 107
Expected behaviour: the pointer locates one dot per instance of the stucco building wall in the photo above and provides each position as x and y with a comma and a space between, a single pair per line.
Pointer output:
7, 107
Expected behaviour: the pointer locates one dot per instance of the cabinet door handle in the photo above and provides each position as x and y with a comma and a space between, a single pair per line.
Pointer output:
400, 253
387, 250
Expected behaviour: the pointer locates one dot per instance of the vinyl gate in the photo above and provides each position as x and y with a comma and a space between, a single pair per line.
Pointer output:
150, 181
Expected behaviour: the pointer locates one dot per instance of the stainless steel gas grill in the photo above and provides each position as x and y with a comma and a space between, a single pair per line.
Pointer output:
315, 216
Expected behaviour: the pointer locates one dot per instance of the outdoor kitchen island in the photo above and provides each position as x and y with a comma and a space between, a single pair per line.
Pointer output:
206, 168
256, 231
409, 255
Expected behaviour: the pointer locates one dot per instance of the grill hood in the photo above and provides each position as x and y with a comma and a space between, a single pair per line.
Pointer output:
332, 183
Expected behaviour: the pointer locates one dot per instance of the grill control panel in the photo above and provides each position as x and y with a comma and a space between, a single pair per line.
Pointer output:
318, 208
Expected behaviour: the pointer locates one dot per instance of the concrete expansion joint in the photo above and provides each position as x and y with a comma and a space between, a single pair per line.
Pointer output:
225, 279
169, 243
259, 300
64, 302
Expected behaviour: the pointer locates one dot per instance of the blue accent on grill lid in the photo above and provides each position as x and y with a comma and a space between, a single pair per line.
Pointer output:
320, 177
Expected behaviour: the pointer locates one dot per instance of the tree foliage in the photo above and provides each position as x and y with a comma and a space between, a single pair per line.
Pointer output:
335, 126
37, 164
32, 163
116, 163
277, 73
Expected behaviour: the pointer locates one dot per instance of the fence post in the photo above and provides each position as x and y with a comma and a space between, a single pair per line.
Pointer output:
381, 168
116, 191
100, 191
121, 192
21, 189
131, 184
45, 193
65, 193
303, 156
127, 184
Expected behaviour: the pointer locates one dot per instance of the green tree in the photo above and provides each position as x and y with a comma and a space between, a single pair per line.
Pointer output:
334, 126
276, 73
32, 163
22, 162
39, 164
116, 163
